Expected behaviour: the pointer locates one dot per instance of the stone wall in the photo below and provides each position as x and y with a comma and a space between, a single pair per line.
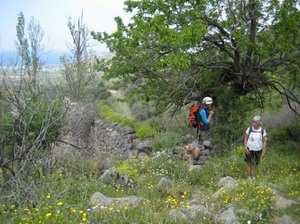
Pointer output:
111, 137
86, 133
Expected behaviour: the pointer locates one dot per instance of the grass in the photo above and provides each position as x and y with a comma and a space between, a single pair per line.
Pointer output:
65, 199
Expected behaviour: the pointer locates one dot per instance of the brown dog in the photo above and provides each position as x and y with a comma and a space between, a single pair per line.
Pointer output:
193, 152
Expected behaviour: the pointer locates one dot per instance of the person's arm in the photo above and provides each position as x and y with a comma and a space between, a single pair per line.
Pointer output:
205, 119
246, 137
264, 151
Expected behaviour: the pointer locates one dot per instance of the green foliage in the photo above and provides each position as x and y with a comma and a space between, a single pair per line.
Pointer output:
100, 92
175, 58
165, 140
125, 167
108, 113
7, 122
36, 114
127, 122
286, 134
33, 119
26, 138
231, 112
144, 131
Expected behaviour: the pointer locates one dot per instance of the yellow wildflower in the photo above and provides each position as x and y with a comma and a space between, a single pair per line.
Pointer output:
73, 210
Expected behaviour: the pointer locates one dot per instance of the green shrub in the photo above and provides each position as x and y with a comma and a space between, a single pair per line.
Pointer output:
100, 92
127, 122
33, 119
165, 140
126, 168
108, 113
144, 131
288, 133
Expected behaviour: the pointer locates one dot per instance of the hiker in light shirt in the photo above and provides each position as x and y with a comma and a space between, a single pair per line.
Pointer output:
255, 145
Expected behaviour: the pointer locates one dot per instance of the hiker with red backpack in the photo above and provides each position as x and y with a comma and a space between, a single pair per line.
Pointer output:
205, 115
199, 118
255, 144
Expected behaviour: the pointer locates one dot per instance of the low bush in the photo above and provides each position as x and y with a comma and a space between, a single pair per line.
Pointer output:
127, 122
126, 167
144, 131
288, 133
165, 140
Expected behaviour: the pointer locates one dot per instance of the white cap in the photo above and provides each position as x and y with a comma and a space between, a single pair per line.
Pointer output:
257, 119
207, 100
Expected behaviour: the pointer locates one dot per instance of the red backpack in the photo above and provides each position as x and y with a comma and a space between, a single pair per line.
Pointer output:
194, 120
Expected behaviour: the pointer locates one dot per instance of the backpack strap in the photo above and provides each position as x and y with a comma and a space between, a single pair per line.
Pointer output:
250, 130
262, 132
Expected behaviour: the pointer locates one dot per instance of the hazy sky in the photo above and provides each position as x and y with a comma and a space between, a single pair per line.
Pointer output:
53, 16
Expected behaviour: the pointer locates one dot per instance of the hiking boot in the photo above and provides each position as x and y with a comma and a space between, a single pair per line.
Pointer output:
198, 162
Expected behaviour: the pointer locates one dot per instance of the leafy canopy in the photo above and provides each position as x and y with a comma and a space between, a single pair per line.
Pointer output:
177, 51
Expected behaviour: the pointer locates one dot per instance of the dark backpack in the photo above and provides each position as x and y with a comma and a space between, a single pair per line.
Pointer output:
194, 120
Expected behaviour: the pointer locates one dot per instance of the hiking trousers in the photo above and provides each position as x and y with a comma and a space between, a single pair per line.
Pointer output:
200, 139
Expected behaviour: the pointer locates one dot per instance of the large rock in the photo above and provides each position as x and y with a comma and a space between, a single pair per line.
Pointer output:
114, 178
145, 146
285, 219
126, 130
165, 183
227, 182
99, 201
192, 214
282, 202
228, 217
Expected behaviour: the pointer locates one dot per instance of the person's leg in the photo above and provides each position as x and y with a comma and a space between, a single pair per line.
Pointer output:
254, 170
199, 147
197, 153
201, 136
256, 160
249, 169
249, 163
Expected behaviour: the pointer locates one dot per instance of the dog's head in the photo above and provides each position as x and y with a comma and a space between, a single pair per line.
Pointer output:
190, 148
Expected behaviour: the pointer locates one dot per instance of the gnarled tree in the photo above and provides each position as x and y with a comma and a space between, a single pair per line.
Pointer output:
178, 51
